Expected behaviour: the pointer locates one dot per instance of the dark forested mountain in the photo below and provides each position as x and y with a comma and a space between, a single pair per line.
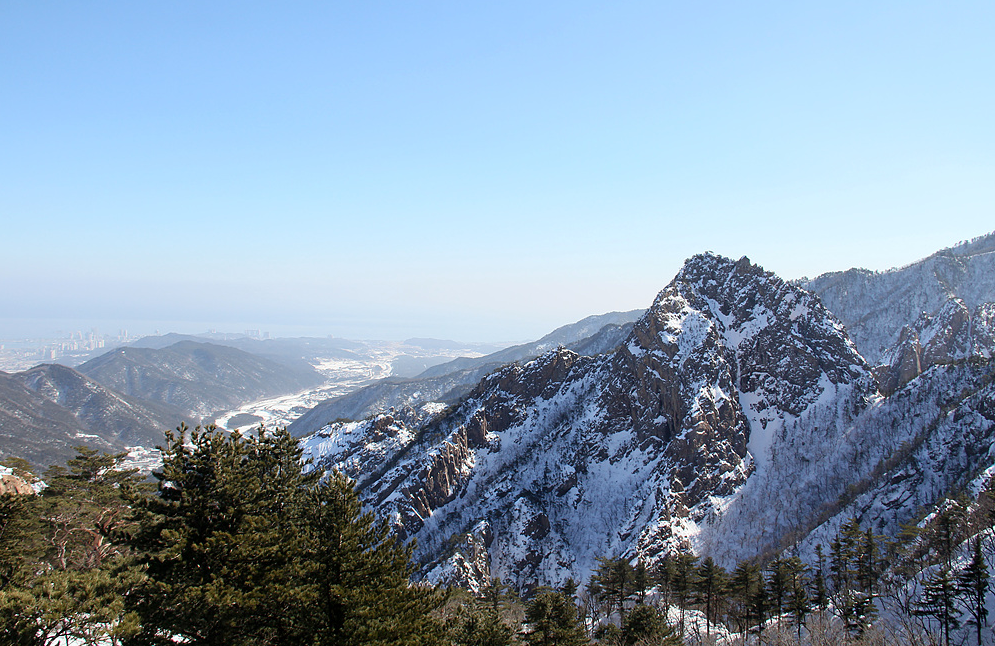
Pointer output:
35, 428
451, 381
875, 306
47, 410
125, 420
197, 378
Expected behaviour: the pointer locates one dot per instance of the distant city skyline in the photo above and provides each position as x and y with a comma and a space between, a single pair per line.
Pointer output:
465, 171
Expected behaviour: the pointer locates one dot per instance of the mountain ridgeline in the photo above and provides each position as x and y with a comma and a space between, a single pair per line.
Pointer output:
130, 396
451, 381
198, 378
736, 417
875, 306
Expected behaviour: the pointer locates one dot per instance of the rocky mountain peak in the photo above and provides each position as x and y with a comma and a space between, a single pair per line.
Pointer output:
549, 464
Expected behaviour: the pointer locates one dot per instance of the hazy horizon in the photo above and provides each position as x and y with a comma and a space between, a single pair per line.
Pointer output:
470, 172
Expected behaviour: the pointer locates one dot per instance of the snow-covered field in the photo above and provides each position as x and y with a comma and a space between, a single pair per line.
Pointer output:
343, 376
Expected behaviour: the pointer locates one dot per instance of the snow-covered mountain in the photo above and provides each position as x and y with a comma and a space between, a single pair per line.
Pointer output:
681, 436
875, 306
952, 334
737, 418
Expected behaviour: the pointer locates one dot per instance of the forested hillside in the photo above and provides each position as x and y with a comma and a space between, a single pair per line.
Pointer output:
233, 544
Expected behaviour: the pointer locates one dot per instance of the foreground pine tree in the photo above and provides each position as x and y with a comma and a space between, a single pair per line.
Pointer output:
552, 620
62, 576
240, 547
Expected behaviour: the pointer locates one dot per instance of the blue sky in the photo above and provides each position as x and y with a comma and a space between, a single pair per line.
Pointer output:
480, 171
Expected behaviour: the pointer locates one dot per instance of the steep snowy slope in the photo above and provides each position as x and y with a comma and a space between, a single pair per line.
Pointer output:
677, 437
941, 425
875, 306
952, 334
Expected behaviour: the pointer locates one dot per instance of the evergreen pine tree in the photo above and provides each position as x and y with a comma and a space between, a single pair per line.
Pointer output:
613, 582
939, 601
684, 583
852, 564
569, 588
552, 620
820, 597
663, 576
744, 586
760, 605
640, 581
972, 584
474, 626
357, 576
220, 540
241, 547
712, 581
869, 567
646, 624
62, 576
798, 602
777, 585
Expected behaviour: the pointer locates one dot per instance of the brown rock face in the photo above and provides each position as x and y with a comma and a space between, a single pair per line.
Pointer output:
906, 363
10, 484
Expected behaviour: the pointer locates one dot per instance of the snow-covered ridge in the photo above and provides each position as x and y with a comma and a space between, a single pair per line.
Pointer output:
676, 438
875, 306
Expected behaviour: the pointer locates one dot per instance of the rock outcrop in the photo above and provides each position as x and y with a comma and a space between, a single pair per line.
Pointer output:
11, 484
954, 333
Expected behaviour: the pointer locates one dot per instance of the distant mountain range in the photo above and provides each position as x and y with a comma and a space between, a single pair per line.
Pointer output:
452, 380
198, 378
130, 396
47, 410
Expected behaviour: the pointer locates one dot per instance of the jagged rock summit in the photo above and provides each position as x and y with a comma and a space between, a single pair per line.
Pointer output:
676, 438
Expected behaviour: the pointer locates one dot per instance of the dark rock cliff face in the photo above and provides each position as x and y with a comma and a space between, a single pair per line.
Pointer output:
636, 451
